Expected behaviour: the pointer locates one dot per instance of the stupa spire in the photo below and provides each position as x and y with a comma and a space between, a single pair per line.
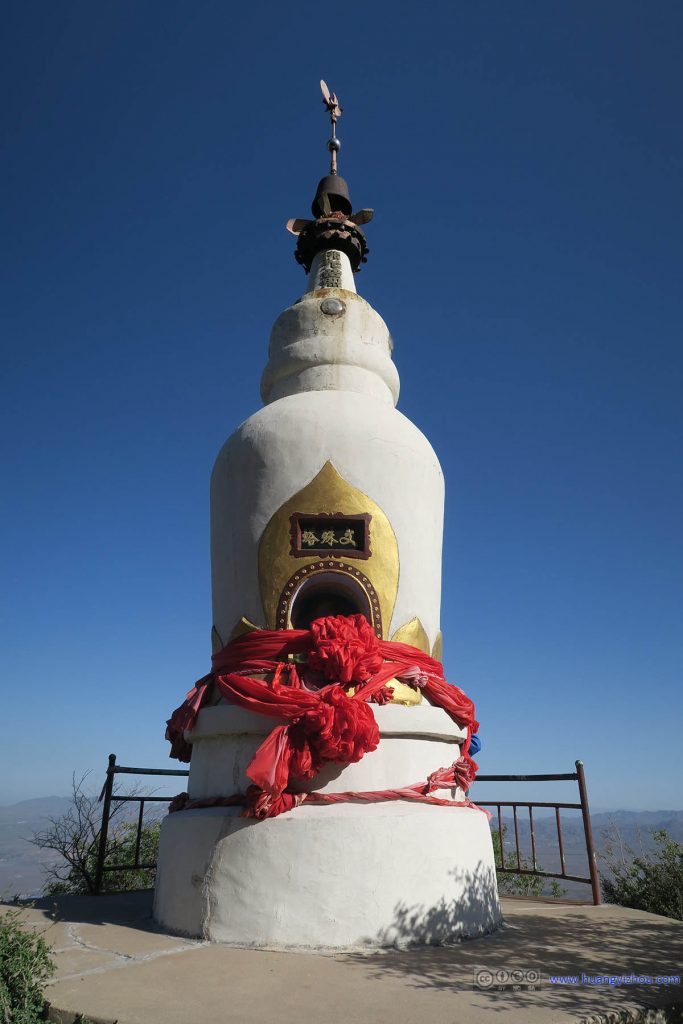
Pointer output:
336, 226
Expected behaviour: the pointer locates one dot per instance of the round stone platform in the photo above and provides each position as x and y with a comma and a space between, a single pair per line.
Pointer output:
113, 965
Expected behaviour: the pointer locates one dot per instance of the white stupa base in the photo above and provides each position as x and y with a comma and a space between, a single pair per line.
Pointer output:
341, 876
335, 876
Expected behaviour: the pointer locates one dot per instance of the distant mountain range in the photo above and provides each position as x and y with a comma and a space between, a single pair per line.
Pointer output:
47, 806
22, 864
644, 819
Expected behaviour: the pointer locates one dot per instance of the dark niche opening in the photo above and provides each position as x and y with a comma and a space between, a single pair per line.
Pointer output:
327, 594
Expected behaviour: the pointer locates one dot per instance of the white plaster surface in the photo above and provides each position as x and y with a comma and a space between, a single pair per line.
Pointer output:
330, 387
415, 741
335, 877
280, 449
311, 351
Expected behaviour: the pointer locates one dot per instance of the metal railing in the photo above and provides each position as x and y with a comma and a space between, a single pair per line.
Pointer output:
108, 796
579, 777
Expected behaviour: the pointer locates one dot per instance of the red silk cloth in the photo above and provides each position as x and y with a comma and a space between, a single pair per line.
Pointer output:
323, 724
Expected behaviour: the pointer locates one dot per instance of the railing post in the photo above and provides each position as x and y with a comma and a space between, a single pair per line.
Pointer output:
501, 836
514, 815
106, 793
138, 835
588, 831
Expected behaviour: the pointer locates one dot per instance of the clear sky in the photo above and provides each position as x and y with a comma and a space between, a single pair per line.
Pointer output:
524, 161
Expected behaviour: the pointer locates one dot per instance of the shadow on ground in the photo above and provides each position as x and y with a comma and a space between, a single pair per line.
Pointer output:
133, 909
545, 938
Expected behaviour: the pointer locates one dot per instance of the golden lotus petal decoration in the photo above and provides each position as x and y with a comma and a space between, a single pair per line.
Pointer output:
437, 649
241, 627
216, 641
413, 633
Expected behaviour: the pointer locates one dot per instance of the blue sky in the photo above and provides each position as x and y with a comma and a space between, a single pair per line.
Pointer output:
524, 162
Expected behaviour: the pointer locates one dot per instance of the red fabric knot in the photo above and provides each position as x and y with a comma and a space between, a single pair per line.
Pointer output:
336, 729
461, 774
178, 802
345, 649
414, 676
261, 805
340, 729
383, 696
464, 771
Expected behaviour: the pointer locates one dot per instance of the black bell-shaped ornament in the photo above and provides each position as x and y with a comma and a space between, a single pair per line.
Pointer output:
331, 196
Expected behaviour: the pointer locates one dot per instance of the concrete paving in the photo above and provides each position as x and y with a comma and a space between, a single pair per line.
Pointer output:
114, 966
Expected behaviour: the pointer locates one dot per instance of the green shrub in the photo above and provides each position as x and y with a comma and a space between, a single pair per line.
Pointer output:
25, 965
651, 882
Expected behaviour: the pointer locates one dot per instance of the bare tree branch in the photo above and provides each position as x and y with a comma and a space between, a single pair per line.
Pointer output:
75, 836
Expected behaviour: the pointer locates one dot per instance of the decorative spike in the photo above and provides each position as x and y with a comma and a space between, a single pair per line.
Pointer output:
362, 216
297, 224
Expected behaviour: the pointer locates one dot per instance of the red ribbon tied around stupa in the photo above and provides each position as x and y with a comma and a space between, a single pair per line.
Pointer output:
322, 723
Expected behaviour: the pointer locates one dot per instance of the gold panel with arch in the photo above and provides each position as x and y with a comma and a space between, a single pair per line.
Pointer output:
328, 493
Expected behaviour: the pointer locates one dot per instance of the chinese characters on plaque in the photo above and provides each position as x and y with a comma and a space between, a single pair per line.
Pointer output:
329, 537
331, 534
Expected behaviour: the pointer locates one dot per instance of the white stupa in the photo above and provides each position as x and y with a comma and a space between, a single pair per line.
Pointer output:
328, 500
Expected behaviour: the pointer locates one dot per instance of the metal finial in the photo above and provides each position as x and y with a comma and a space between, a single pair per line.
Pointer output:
331, 104
335, 225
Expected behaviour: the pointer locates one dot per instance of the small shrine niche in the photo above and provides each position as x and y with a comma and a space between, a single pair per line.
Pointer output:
327, 594
328, 588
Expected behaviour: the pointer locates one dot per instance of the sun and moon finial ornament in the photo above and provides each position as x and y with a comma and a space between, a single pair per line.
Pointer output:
335, 111
335, 226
